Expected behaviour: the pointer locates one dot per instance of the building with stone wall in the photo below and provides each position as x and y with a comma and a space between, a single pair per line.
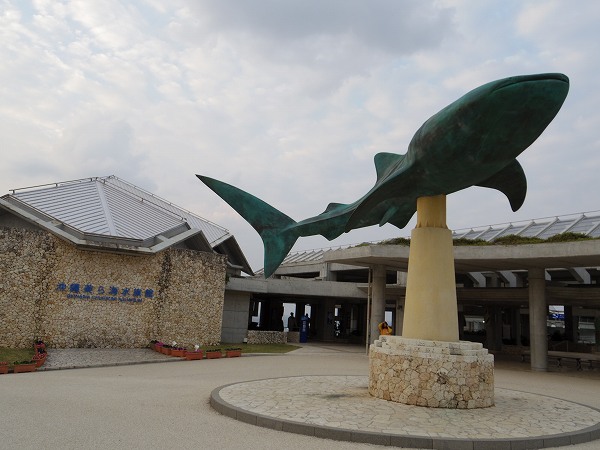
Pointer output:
101, 263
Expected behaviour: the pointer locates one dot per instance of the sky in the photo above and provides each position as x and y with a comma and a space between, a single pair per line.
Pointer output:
288, 100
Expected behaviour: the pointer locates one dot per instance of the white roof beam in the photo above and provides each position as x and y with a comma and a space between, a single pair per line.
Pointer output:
580, 274
482, 233
592, 229
508, 277
506, 228
477, 278
529, 225
575, 222
546, 227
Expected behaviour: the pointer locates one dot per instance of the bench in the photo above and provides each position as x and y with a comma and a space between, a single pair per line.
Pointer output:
559, 356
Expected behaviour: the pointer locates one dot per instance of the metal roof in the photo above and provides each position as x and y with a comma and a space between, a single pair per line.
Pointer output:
587, 223
108, 211
112, 207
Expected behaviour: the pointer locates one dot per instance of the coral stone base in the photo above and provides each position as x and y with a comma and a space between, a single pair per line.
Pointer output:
431, 373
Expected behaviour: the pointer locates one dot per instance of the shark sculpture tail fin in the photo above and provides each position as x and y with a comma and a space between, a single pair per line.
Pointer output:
277, 231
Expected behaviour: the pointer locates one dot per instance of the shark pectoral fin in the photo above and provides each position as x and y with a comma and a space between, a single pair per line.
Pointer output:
276, 230
398, 213
388, 215
383, 161
332, 233
360, 217
511, 181
403, 215
333, 206
335, 216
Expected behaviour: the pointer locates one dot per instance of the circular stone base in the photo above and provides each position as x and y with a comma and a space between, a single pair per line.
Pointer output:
436, 374
340, 408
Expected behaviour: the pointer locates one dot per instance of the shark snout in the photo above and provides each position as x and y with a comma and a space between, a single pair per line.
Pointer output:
546, 81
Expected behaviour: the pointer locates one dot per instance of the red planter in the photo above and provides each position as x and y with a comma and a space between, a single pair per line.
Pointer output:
3, 367
233, 353
20, 368
191, 356
178, 353
213, 355
39, 361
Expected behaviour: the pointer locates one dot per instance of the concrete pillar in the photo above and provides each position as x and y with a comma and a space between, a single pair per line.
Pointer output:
377, 301
401, 278
326, 274
399, 317
431, 310
264, 320
315, 332
571, 325
538, 315
517, 326
597, 332
461, 322
494, 280
300, 307
493, 328
326, 321
276, 315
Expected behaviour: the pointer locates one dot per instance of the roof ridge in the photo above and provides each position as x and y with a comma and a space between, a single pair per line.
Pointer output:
60, 183
147, 195
156, 197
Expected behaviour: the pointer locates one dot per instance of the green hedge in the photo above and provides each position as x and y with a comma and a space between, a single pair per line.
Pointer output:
510, 239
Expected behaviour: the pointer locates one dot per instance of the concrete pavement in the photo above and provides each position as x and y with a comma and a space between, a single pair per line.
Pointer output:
166, 405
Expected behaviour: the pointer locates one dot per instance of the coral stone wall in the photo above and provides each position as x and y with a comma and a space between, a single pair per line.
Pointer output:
26, 259
68, 297
266, 337
193, 289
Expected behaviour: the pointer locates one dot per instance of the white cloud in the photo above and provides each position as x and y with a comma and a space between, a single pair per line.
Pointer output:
288, 100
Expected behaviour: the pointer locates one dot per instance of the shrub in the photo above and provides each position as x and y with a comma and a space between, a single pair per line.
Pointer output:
513, 239
397, 241
568, 237
465, 241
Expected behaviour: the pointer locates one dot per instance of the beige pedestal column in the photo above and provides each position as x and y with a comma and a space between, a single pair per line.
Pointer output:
378, 301
427, 366
430, 309
538, 316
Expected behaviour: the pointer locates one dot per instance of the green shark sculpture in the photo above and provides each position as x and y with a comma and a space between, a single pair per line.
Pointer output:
471, 142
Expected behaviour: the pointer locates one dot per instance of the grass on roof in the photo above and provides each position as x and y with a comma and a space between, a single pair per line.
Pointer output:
509, 239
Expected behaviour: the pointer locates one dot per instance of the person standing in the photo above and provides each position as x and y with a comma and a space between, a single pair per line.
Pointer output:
384, 329
292, 324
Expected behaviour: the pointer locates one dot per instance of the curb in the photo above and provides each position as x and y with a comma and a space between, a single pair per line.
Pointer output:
387, 439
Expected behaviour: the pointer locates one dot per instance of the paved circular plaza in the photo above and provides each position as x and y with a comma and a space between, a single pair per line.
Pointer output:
340, 407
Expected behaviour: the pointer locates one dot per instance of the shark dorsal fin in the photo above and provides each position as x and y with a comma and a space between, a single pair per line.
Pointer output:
384, 160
